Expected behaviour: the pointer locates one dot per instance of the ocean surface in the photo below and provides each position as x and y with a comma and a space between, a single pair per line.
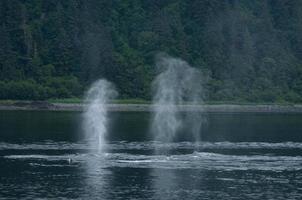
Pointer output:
239, 156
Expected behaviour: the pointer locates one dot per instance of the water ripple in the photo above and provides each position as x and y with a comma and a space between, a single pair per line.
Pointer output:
196, 160
147, 145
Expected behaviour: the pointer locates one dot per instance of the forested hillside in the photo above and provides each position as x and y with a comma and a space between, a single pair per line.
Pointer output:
247, 50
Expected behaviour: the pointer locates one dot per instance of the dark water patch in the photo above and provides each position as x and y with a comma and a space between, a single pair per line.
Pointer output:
241, 156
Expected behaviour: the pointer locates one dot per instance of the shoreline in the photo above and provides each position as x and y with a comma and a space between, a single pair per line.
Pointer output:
223, 108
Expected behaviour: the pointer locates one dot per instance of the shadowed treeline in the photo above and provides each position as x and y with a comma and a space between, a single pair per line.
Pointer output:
248, 50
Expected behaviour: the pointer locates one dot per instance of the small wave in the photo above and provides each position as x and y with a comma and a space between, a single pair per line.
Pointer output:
147, 145
203, 145
209, 161
49, 165
196, 160
39, 156
136, 161
42, 146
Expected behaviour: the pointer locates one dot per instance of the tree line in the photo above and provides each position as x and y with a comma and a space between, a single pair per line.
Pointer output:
247, 50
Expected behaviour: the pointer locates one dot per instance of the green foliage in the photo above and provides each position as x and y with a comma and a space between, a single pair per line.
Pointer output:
54, 87
247, 50
66, 100
64, 87
24, 90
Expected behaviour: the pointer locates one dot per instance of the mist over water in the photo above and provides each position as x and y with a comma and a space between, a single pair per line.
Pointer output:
177, 84
95, 122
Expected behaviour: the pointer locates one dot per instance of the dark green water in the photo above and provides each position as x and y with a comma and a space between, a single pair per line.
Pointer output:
240, 156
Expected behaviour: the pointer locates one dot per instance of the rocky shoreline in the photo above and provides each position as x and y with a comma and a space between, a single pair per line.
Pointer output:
228, 108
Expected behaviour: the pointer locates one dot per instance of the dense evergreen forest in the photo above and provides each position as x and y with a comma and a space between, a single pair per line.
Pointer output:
247, 50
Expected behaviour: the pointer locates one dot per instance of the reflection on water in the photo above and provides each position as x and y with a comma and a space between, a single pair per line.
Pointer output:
46, 160
95, 177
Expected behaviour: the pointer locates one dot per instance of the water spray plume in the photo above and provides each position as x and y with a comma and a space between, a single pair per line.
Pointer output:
96, 114
177, 84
